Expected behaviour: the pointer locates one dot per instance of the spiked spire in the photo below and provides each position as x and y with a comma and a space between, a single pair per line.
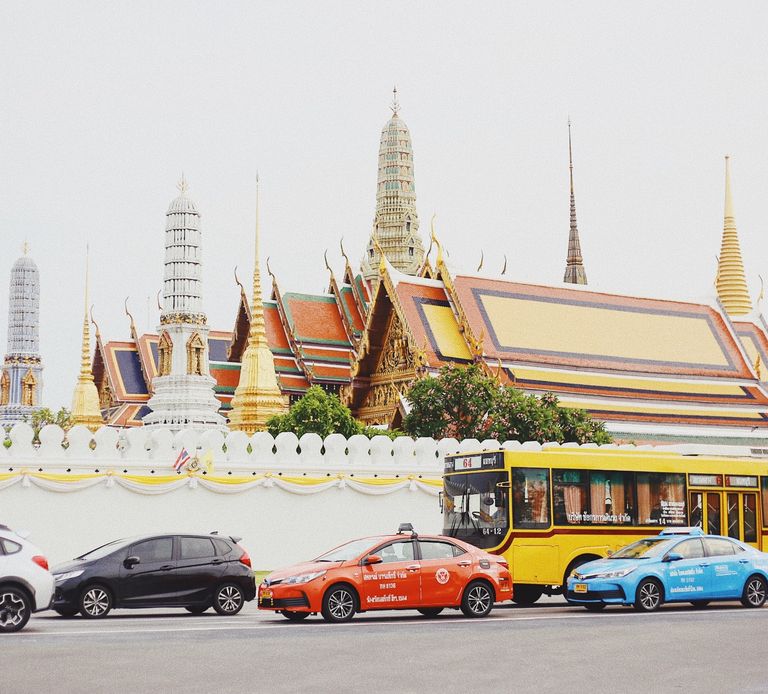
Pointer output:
731, 281
258, 396
574, 264
85, 401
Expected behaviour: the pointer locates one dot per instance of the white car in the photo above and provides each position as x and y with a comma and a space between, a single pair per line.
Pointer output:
26, 585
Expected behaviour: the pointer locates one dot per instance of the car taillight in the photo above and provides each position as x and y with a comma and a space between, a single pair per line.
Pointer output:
503, 562
245, 559
41, 561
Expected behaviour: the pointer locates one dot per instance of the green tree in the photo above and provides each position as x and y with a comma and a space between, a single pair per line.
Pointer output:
40, 418
318, 412
464, 402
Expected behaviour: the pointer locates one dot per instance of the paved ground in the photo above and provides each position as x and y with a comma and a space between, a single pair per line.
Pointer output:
550, 647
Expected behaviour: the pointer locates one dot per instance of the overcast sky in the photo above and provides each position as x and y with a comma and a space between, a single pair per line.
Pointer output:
104, 104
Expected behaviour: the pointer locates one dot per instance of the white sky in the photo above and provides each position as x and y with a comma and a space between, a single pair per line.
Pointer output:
105, 103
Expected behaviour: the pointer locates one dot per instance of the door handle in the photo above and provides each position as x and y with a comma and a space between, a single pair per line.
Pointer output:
703, 564
743, 561
167, 567
413, 567
216, 561
465, 563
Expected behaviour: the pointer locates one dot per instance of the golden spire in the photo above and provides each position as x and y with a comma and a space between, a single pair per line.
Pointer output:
85, 401
731, 281
258, 396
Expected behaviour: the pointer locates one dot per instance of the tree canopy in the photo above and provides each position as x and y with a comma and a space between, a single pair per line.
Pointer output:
464, 402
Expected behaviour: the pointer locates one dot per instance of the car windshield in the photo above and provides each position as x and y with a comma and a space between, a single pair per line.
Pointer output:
643, 549
103, 550
348, 551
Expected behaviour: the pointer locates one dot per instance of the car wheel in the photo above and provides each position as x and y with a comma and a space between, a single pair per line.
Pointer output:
596, 606
339, 603
196, 609
477, 600
95, 602
430, 611
754, 592
526, 594
698, 604
15, 609
648, 596
294, 616
66, 611
228, 600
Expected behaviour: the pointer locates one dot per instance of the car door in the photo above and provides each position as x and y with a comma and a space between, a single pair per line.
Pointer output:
151, 580
395, 581
687, 578
198, 569
445, 570
728, 567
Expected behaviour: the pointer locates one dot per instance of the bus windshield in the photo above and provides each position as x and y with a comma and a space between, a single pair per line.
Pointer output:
476, 507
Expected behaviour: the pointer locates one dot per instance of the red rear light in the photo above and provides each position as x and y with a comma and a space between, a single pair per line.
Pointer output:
41, 561
503, 562
245, 559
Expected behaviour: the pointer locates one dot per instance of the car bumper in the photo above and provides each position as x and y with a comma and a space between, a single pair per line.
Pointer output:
607, 592
66, 594
279, 598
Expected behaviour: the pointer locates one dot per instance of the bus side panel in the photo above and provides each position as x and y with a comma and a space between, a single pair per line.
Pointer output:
535, 563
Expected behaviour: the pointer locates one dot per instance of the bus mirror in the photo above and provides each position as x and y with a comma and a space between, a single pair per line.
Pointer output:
440, 500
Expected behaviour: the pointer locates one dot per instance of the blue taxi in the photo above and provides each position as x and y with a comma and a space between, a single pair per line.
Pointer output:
677, 565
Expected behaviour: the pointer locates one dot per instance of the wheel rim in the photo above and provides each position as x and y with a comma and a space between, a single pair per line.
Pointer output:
478, 599
229, 598
341, 604
13, 609
756, 592
96, 602
650, 596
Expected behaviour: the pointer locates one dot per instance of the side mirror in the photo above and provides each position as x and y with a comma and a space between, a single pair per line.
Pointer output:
672, 556
609, 553
372, 559
130, 562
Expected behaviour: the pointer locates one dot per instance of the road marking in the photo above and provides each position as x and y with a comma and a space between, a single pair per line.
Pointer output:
378, 621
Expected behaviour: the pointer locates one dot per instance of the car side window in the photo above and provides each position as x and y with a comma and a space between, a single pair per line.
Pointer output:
196, 548
395, 551
689, 549
436, 550
222, 546
159, 549
719, 547
10, 547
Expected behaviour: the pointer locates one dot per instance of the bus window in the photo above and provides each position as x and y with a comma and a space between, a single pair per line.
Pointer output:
476, 507
530, 502
593, 498
660, 498
764, 496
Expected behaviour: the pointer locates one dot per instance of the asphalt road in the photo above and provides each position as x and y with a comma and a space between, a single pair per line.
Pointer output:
550, 647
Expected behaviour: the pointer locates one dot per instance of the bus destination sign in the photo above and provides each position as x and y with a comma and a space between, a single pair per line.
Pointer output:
475, 461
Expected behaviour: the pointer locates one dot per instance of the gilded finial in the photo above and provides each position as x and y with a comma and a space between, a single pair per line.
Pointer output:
325, 258
128, 313
482, 258
395, 104
341, 246
504, 269
157, 298
433, 237
182, 185
382, 257
238, 282
95, 324
25, 247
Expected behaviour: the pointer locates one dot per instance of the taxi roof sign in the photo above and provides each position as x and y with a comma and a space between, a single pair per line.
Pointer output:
406, 528
682, 531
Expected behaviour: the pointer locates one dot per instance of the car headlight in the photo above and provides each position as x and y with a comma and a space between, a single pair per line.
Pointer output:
66, 576
619, 573
304, 578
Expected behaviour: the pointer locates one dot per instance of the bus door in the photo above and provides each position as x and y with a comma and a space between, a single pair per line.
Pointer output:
741, 515
706, 511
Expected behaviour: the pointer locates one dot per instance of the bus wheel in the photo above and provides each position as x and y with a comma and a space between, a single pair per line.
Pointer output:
526, 594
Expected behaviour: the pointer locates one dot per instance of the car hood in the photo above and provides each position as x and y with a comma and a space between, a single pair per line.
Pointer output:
603, 565
72, 565
305, 568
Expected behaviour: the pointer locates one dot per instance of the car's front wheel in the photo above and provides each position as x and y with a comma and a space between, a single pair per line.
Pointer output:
755, 592
228, 599
294, 616
95, 602
15, 609
339, 604
648, 596
430, 611
477, 600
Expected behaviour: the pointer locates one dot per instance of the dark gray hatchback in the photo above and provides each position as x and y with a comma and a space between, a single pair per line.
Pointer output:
194, 572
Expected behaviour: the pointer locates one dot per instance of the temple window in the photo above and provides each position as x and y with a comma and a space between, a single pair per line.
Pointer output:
164, 354
28, 384
5, 388
195, 355
410, 251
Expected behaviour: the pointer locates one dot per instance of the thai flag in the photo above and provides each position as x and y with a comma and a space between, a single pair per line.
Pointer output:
181, 460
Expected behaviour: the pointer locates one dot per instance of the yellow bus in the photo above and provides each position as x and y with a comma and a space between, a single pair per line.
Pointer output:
549, 509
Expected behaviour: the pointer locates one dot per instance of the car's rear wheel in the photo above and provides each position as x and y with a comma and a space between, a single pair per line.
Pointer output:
755, 592
294, 616
698, 604
95, 602
648, 596
66, 611
15, 609
429, 611
339, 603
196, 609
596, 606
526, 594
477, 600
228, 599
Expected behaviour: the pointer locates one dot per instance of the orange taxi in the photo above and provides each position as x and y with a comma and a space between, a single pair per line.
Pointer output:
390, 572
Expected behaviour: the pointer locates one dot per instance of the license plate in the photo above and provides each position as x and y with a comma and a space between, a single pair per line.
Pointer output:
266, 594
580, 588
